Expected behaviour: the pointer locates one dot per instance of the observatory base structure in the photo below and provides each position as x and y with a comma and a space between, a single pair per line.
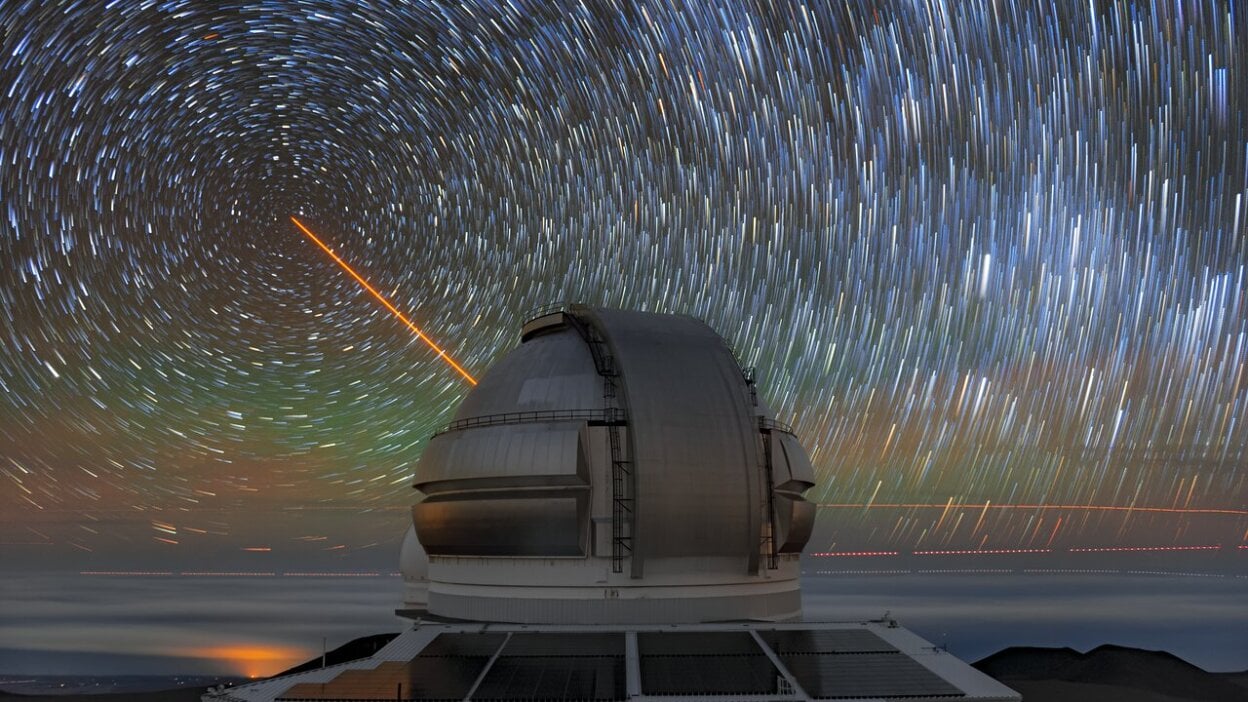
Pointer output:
728, 661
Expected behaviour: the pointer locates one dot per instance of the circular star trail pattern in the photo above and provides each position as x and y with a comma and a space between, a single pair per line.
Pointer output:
980, 251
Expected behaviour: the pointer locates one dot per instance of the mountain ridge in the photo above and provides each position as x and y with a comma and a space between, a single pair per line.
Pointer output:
1109, 672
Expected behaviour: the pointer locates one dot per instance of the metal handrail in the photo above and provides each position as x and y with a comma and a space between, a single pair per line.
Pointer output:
490, 420
767, 423
539, 312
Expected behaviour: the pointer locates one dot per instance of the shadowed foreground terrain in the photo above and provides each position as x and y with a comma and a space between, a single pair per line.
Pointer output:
352, 650
1104, 674
1109, 673
186, 694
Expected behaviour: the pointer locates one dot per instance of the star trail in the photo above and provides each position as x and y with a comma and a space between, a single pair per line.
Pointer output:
989, 252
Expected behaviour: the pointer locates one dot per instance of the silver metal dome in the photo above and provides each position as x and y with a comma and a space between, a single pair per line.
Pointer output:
616, 467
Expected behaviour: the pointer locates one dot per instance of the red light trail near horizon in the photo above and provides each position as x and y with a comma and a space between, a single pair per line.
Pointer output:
989, 505
1018, 551
386, 303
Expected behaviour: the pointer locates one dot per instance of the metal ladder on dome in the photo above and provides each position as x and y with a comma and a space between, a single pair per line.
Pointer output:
616, 416
769, 529
768, 545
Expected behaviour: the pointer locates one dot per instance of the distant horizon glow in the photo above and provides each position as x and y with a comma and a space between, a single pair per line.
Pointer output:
66, 625
252, 660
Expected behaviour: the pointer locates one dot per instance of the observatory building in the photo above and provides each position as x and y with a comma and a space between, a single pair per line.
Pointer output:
615, 514
617, 467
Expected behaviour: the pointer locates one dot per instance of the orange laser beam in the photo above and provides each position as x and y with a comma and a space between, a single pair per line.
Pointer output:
386, 303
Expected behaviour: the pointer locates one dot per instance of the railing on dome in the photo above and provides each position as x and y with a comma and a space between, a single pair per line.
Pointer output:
768, 423
750, 375
539, 312
536, 416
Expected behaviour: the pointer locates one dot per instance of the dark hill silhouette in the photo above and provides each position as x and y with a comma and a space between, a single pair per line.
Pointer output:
355, 649
1109, 672
181, 695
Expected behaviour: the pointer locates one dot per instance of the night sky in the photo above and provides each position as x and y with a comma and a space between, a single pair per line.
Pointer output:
988, 256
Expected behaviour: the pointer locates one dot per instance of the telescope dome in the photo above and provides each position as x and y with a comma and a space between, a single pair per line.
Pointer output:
616, 467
